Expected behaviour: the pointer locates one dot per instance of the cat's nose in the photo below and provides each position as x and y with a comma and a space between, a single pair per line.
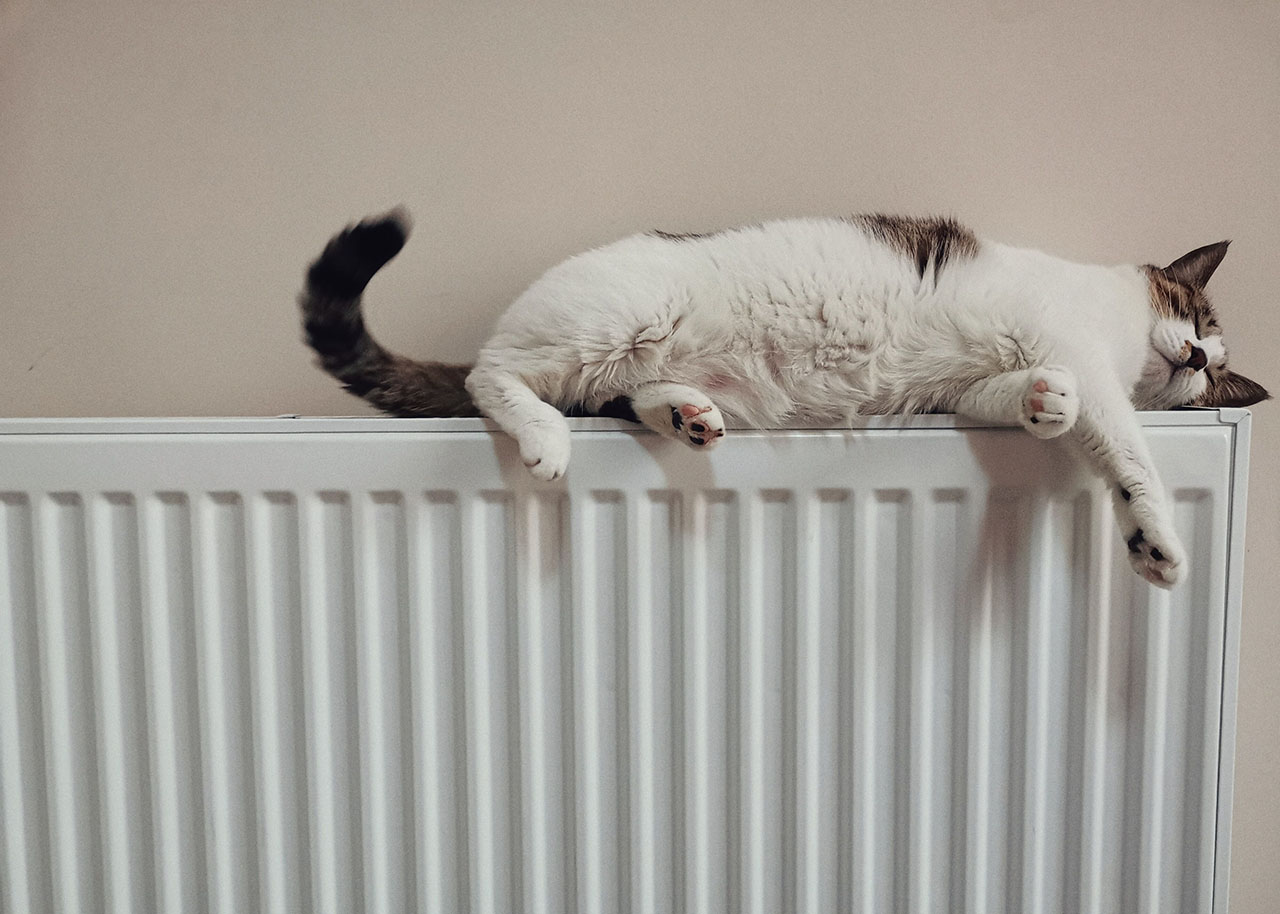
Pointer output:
1197, 360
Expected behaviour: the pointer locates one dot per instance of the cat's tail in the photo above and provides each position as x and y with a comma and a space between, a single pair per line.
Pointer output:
334, 326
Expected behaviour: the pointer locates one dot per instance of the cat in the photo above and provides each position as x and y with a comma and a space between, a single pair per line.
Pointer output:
821, 320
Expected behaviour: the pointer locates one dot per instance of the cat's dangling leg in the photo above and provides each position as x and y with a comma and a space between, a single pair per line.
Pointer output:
678, 411
1112, 439
538, 427
1042, 400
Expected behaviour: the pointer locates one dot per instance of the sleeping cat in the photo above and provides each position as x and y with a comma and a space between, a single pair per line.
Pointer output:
820, 320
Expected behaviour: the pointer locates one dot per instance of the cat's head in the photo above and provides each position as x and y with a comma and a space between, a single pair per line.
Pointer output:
1187, 362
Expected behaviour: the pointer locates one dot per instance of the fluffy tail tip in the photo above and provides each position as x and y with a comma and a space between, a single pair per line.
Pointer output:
357, 253
378, 238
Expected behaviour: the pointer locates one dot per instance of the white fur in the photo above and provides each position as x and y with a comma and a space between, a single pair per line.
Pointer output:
814, 319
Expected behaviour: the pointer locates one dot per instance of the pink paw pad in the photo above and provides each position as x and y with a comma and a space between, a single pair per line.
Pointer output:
1039, 387
1049, 404
701, 432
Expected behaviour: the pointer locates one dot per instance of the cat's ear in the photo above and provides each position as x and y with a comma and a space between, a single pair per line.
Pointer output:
1194, 269
1226, 388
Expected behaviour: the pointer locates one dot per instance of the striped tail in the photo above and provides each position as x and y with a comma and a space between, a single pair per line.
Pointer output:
334, 326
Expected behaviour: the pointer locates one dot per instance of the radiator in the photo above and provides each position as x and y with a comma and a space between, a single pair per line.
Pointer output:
354, 665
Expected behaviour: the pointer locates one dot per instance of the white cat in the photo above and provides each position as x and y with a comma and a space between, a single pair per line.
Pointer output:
821, 320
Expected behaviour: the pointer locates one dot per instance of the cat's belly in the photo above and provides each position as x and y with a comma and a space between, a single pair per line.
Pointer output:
770, 363
761, 389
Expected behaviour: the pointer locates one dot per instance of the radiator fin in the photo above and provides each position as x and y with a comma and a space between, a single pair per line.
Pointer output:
28, 885
439, 740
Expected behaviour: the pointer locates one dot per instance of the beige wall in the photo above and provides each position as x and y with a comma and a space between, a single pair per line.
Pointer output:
167, 168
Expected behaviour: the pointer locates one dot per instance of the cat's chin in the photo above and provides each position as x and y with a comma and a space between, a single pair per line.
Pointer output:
1166, 382
1159, 398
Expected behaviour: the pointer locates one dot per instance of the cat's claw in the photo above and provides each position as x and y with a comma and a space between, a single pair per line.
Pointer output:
544, 449
699, 426
1050, 405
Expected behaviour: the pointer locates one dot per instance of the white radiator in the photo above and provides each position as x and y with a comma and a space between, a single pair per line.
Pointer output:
370, 665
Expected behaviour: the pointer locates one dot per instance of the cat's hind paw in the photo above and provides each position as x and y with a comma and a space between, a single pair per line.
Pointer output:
699, 426
1160, 560
679, 411
1050, 405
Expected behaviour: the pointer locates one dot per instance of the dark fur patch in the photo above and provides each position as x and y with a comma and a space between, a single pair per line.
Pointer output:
1180, 301
617, 408
1195, 268
926, 241
334, 327
682, 236
1226, 388
353, 256
1177, 291
428, 390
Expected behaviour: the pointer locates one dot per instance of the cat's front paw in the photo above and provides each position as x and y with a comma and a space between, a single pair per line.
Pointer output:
1159, 559
698, 425
544, 448
1155, 552
1050, 404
